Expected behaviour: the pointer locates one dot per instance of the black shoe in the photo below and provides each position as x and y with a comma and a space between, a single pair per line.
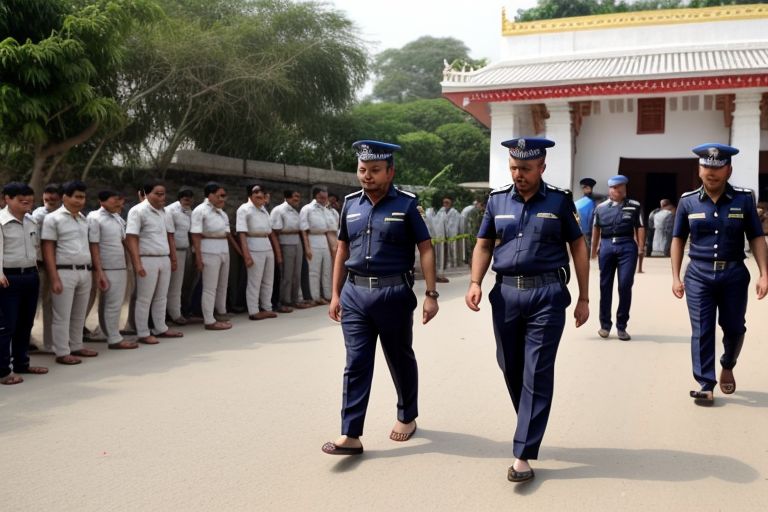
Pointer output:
623, 335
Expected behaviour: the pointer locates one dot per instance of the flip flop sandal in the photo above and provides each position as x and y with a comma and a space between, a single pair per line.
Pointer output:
85, 353
68, 360
705, 398
170, 334
727, 382
147, 341
333, 449
401, 437
519, 476
34, 370
11, 379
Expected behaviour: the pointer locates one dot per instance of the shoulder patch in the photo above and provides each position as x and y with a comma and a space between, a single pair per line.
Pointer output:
690, 193
633, 202
501, 190
353, 194
563, 191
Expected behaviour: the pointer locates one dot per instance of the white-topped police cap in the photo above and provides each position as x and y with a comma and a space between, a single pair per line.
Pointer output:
617, 180
527, 148
714, 154
368, 150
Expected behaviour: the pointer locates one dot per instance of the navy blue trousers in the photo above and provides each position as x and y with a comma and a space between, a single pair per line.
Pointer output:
18, 303
715, 295
367, 314
528, 325
614, 258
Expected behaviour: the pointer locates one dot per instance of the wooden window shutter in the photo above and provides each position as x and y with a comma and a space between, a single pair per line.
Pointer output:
650, 115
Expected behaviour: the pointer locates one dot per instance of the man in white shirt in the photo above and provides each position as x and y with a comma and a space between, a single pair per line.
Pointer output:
181, 214
19, 283
286, 223
260, 248
314, 224
68, 263
211, 234
106, 235
150, 243
51, 202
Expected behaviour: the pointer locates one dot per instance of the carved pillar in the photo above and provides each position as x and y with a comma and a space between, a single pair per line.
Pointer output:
745, 135
559, 158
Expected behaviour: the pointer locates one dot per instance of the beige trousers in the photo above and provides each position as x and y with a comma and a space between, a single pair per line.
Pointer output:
215, 280
261, 276
68, 309
320, 273
111, 305
174, 288
152, 295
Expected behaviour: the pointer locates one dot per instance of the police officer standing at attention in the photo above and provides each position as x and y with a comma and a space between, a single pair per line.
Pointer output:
716, 216
525, 228
380, 226
618, 237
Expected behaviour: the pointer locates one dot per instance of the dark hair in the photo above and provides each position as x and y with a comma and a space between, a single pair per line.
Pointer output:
17, 188
253, 188
52, 188
107, 193
149, 186
318, 190
447, 197
185, 192
288, 193
331, 194
211, 187
69, 188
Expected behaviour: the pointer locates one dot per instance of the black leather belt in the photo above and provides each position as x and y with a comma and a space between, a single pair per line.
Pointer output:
380, 282
717, 264
17, 271
615, 239
74, 267
528, 282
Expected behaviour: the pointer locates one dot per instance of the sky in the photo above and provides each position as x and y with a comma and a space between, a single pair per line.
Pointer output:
394, 23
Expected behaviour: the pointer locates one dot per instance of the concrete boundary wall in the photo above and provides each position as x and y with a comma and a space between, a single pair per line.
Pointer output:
206, 163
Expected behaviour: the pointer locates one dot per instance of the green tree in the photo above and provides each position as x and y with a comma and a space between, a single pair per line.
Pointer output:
422, 157
416, 70
553, 9
466, 147
55, 67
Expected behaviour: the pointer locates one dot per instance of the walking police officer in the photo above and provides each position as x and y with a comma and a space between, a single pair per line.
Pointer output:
380, 227
618, 237
716, 216
525, 228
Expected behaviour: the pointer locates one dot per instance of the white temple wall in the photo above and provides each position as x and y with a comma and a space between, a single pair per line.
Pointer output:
627, 40
606, 137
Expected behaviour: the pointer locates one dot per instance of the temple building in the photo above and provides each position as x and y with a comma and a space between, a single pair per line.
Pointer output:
628, 93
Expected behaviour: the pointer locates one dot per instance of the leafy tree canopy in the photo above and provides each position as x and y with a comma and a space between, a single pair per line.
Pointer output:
552, 9
416, 70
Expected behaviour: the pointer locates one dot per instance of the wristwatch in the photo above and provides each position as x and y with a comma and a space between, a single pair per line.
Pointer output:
433, 294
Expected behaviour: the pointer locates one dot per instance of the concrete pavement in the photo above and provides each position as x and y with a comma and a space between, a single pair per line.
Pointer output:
234, 420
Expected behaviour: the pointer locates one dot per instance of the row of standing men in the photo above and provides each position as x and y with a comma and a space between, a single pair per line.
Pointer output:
57, 253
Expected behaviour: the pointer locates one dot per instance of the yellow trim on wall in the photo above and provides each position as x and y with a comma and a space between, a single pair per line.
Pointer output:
634, 19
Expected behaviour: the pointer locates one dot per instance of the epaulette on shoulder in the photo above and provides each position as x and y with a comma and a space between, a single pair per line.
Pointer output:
501, 190
406, 193
353, 194
633, 202
690, 193
743, 190
607, 201
558, 189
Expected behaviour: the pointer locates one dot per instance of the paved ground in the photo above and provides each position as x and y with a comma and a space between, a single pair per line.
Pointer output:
235, 421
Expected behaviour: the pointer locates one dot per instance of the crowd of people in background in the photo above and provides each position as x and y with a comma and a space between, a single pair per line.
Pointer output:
172, 263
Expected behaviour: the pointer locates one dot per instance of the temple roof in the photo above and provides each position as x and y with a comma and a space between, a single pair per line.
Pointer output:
681, 63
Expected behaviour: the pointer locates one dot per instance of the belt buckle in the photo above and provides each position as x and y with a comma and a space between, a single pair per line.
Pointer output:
613, 239
718, 265
373, 282
520, 282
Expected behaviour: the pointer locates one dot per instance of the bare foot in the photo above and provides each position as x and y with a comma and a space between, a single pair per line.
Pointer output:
521, 465
348, 442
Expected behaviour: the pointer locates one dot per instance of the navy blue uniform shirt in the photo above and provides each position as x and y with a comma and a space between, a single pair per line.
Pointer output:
382, 238
717, 230
618, 219
531, 235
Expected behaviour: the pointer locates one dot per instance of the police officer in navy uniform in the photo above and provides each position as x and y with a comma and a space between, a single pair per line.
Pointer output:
618, 237
717, 216
380, 227
526, 227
